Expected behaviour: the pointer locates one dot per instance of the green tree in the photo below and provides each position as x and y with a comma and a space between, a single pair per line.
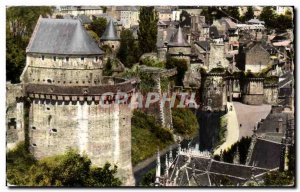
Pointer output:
69, 169
278, 178
181, 66
147, 33
286, 22
98, 25
268, 16
128, 52
249, 14
20, 23
233, 11
185, 19
184, 122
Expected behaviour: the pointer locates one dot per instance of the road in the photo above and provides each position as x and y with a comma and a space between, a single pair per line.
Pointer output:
232, 134
249, 115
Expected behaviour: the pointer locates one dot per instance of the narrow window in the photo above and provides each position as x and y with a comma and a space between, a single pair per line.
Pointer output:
67, 58
82, 58
54, 130
54, 58
112, 46
96, 58
43, 57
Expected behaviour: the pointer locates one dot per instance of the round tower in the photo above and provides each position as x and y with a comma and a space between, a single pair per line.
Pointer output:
178, 47
110, 37
66, 91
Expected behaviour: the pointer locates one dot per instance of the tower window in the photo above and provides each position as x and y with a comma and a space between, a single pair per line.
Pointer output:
54, 58
54, 130
43, 57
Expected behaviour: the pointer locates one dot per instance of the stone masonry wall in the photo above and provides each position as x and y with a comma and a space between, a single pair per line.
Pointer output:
14, 115
253, 93
217, 56
271, 95
257, 58
75, 71
103, 134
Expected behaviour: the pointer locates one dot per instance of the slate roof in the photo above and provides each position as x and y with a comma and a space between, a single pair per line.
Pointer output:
62, 37
203, 44
110, 32
256, 21
84, 19
178, 40
127, 8
204, 171
160, 36
266, 154
229, 23
50, 89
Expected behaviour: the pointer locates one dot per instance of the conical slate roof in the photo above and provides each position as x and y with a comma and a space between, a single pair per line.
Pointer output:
62, 37
110, 32
177, 40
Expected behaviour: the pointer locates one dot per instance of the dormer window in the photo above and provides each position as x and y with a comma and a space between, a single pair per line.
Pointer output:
43, 57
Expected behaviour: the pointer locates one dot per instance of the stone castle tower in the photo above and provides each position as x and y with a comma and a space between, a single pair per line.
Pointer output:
63, 84
110, 37
178, 47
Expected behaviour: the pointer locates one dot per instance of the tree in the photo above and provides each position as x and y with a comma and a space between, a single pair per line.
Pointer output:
233, 11
249, 14
184, 122
267, 15
185, 19
20, 23
147, 33
98, 25
128, 52
69, 169
181, 66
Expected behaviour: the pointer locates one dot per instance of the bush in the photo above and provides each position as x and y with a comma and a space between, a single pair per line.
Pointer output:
181, 66
184, 122
69, 169
146, 136
243, 146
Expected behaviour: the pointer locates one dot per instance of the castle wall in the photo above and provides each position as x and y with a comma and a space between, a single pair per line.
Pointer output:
253, 93
103, 134
217, 56
215, 93
114, 45
271, 95
75, 71
14, 115
180, 53
257, 58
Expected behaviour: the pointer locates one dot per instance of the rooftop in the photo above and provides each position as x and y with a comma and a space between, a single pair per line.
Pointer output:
62, 37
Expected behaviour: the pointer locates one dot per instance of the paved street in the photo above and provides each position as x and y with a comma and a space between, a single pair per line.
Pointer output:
232, 134
249, 115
